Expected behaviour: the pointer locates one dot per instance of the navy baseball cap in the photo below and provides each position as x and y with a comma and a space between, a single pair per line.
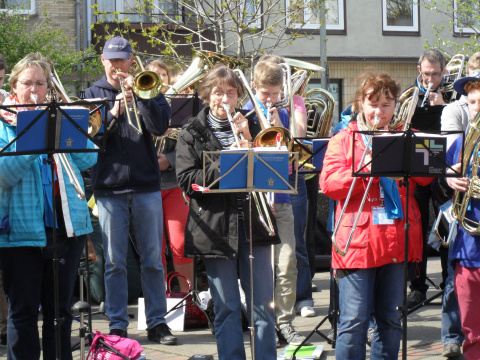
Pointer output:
117, 48
459, 85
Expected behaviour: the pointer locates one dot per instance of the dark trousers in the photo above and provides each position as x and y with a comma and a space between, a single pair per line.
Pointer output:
28, 283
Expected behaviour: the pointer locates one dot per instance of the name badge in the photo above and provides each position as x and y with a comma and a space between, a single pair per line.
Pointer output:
380, 216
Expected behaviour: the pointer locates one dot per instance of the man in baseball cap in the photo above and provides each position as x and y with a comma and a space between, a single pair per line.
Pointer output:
117, 48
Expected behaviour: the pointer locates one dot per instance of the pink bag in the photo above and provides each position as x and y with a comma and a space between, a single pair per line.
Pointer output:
113, 347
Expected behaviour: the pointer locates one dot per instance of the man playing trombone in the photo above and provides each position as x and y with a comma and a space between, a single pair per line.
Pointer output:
126, 184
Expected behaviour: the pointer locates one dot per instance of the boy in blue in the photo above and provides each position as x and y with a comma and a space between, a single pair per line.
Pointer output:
465, 255
268, 83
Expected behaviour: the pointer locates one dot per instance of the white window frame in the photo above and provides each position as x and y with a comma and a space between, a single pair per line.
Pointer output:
120, 7
30, 11
308, 15
458, 29
412, 28
257, 23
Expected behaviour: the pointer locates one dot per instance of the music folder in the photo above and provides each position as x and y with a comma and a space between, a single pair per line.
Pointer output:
270, 169
68, 138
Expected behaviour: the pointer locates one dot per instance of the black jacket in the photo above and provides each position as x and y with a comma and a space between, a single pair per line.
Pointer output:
212, 224
129, 163
428, 117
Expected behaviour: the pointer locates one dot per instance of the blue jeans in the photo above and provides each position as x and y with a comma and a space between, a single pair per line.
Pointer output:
223, 280
451, 322
144, 211
28, 283
363, 292
304, 278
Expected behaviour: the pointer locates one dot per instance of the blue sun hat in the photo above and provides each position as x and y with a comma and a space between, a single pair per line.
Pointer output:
117, 48
459, 85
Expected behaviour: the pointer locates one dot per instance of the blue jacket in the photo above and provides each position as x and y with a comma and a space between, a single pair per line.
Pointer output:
22, 199
466, 248
129, 163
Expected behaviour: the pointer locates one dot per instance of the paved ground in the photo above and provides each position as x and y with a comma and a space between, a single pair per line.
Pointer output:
423, 329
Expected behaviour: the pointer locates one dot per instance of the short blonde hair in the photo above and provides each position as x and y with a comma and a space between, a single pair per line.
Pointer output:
268, 73
277, 59
474, 62
32, 60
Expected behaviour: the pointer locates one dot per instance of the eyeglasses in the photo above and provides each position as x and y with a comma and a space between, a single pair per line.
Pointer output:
37, 84
220, 95
434, 75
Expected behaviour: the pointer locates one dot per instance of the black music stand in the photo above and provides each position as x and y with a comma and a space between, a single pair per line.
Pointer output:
420, 154
245, 171
52, 118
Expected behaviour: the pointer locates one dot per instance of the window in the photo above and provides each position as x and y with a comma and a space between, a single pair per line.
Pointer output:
305, 14
465, 15
400, 16
19, 6
251, 8
129, 9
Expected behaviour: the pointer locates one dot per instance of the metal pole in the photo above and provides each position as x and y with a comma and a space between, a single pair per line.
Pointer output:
323, 47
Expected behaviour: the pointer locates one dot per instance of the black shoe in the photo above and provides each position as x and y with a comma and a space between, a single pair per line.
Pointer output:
119, 332
3, 340
161, 333
415, 297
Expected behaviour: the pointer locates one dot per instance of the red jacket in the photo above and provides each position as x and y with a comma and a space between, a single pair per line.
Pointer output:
372, 245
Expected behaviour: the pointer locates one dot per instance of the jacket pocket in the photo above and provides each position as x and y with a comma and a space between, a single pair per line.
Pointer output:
361, 232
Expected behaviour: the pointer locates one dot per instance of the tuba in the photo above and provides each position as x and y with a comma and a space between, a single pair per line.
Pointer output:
461, 200
202, 62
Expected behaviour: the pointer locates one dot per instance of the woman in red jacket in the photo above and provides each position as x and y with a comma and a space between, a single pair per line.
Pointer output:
370, 274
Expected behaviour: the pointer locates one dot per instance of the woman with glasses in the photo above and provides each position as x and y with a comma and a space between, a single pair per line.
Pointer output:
26, 243
216, 229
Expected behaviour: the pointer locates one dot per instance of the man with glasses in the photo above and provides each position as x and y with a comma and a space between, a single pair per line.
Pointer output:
431, 102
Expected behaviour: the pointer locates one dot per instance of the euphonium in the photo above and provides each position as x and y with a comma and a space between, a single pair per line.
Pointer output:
461, 200
454, 72
320, 112
405, 109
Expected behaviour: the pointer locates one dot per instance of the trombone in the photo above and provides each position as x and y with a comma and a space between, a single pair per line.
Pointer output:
146, 85
258, 198
347, 200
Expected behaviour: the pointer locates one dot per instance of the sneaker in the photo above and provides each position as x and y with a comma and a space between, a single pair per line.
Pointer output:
161, 333
314, 287
307, 311
119, 332
290, 336
451, 350
415, 297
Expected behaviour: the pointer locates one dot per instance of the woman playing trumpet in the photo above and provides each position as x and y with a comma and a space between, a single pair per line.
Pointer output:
370, 272
215, 226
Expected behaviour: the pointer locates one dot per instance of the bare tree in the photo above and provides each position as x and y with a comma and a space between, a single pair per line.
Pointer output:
465, 23
241, 28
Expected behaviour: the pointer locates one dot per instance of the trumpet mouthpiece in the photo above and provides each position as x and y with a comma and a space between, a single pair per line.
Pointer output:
226, 107
34, 97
